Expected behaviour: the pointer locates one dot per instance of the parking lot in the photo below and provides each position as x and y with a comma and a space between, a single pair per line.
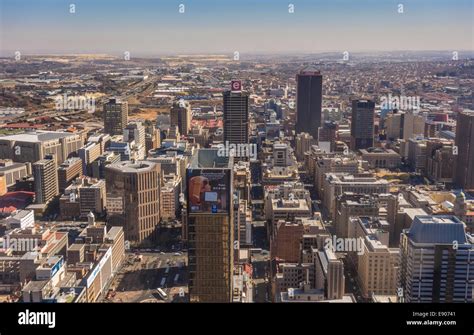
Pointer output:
144, 272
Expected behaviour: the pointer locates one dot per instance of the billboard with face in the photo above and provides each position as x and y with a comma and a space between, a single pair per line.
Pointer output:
208, 190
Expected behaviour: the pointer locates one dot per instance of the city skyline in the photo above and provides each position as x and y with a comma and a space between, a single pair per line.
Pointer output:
147, 28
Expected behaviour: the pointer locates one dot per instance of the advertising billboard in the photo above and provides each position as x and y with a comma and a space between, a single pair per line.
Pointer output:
208, 190
236, 86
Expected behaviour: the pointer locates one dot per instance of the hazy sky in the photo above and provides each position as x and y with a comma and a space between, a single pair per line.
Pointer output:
154, 27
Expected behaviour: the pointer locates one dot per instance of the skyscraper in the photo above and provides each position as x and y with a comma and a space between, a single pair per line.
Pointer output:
309, 97
362, 124
464, 173
180, 116
435, 257
115, 116
133, 198
46, 179
134, 133
210, 226
69, 170
236, 115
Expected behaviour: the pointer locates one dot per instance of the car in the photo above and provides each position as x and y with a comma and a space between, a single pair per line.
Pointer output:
162, 253
177, 254
83, 225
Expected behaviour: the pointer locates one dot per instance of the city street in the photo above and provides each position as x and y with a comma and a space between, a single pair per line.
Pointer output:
138, 281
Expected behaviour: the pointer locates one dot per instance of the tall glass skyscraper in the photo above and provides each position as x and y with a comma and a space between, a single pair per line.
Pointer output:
309, 97
436, 261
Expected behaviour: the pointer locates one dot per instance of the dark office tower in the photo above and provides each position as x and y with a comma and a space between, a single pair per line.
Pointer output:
133, 199
115, 116
210, 226
236, 115
464, 173
362, 124
309, 97
180, 116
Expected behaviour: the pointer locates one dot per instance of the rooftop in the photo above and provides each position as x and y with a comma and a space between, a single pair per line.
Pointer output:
37, 136
439, 229
210, 158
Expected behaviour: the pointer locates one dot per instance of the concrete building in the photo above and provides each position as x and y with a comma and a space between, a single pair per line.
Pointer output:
180, 116
34, 146
13, 171
303, 144
169, 194
339, 183
69, 170
98, 165
404, 125
92, 197
350, 204
377, 264
152, 138
417, 154
333, 164
133, 198
380, 158
88, 154
329, 274
46, 180
293, 275
328, 134
440, 160
135, 133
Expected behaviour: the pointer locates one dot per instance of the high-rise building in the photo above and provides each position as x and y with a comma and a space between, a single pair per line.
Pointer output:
180, 116
464, 174
46, 179
88, 154
329, 273
377, 264
309, 97
440, 160
134, 131
327, 136
152, 138
210, 227
69, 170
115, 116
435, 257
236, 115
303, 145
92, 197
133, 198
362, 124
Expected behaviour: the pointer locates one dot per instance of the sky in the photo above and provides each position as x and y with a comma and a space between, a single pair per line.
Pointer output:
156, 27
